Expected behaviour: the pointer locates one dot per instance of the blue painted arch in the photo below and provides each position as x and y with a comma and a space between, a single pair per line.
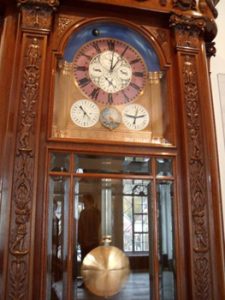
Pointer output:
103, 29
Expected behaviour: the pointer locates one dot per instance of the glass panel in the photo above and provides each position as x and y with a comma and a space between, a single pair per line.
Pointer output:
164, 167
104, 164
124, 212
117, 214
166, 247
59, 162
57, 238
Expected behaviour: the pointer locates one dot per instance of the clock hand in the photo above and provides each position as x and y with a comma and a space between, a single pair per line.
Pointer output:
111, 65
134, 117
85, 113
110, 81
140, 116
120, 57
118, 60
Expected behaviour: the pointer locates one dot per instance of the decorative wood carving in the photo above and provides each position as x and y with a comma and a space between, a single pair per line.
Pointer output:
185, 4
19, 247
210, 49
211, 5
49, 3
36, 14
162, 37
63, 24
200, 243
36, 18
188, 28
23, 194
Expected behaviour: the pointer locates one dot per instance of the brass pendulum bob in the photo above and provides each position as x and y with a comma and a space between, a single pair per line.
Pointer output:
105, 269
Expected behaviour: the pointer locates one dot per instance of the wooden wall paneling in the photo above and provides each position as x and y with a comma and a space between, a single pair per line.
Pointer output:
35, 26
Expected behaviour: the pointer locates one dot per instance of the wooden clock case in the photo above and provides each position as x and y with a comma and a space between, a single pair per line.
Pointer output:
33, 34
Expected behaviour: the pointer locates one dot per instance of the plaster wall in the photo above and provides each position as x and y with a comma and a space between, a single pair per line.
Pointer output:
218, 73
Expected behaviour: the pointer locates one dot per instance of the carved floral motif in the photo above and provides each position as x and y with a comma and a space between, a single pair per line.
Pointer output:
36, 18
197, 182
23, 172
188, 29
63, 24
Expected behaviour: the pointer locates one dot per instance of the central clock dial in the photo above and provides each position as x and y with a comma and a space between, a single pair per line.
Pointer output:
110, 71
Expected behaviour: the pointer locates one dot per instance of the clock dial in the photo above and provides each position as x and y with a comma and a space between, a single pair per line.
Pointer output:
110, 71
135, 117
110, 118
84, 113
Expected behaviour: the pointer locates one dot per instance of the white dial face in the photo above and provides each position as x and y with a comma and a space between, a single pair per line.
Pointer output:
135, 117
84, 113
110, 72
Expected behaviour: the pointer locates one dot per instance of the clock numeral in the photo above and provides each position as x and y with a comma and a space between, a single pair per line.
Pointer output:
111, 45
84, 54
96, 46
84, 81
135, 61
81, 68
138, 74
110, 98
94, 94
125, 96
135, 86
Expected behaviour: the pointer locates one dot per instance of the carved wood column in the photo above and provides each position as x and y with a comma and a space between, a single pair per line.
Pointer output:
36, 19
188, 31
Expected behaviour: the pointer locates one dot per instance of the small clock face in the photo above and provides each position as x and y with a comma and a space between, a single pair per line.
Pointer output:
84, 113
110, 71
135, 117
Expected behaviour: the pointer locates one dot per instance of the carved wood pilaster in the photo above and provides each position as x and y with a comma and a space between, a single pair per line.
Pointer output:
199, 210
36, 23
36, 15
187, 31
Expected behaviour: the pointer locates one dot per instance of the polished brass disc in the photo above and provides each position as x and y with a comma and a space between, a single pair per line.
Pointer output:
105, 270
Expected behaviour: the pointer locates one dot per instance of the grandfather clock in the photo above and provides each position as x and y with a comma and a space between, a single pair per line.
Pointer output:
111, 99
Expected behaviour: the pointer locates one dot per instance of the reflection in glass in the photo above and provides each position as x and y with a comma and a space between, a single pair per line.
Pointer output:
128, 216
124, 217
166, 247
164, 167
58, 237
59, 162
136, 215
116, 164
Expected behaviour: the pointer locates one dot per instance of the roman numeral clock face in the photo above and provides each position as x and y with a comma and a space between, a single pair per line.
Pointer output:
110, 71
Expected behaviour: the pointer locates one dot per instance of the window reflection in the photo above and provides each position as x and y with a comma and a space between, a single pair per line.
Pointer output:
59, 162
57, 241
116, 165
166, 248
164, 167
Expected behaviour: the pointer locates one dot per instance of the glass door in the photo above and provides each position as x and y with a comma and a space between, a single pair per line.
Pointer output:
99, 203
